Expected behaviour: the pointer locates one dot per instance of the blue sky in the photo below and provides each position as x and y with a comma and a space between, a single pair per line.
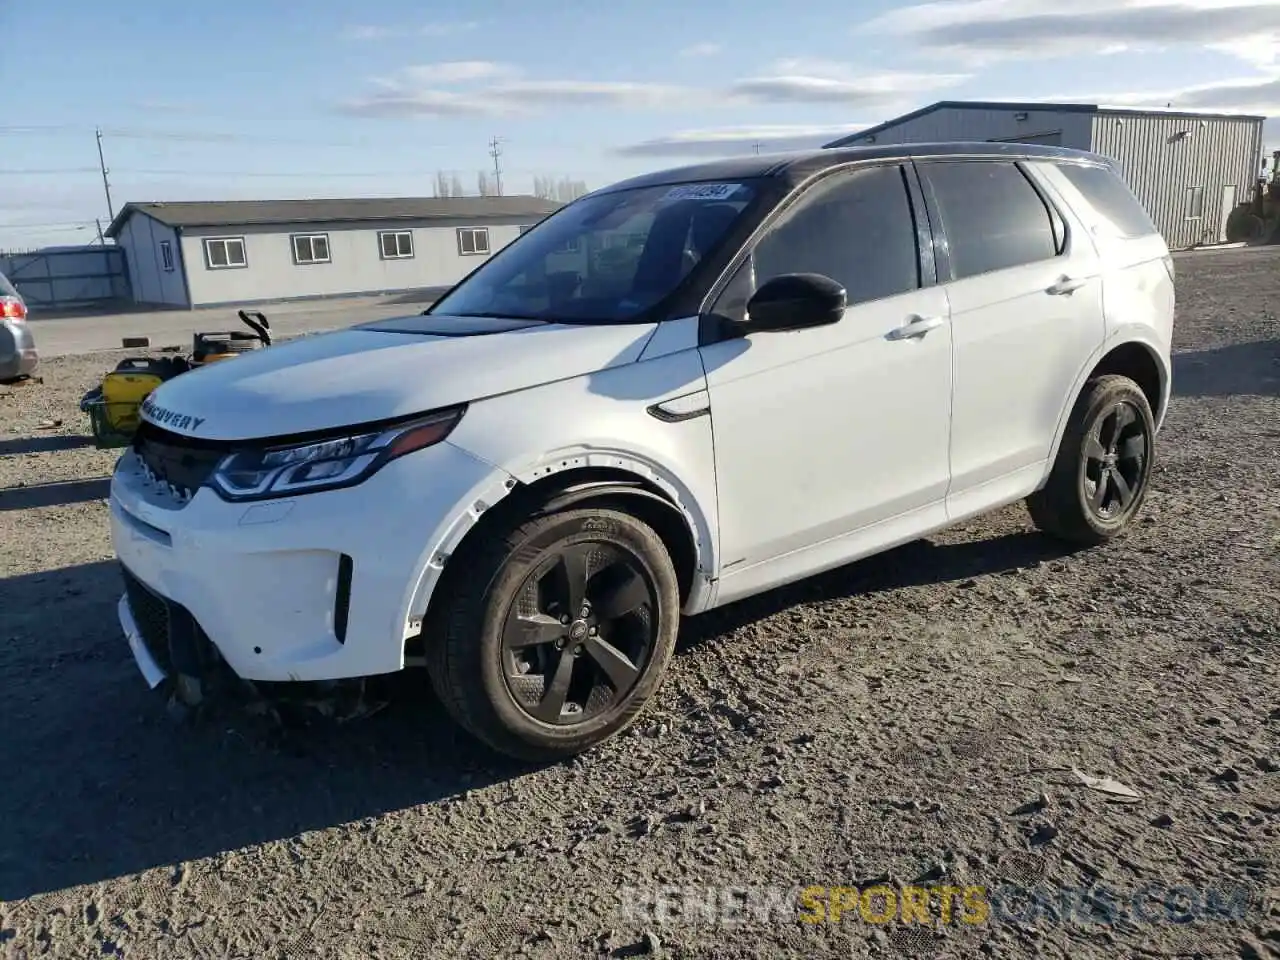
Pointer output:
266, 98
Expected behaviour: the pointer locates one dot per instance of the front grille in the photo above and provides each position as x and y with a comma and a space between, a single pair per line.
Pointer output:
183, 463
151, 614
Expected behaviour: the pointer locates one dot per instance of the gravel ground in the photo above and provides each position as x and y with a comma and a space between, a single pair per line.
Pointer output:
913, 719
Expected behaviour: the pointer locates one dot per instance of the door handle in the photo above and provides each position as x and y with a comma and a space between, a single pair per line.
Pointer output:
916, 327
1065, 285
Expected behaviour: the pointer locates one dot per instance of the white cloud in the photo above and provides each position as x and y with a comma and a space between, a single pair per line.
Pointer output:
499, 89
416, 93
457, 71
383, 32
445, 29
701, 50
981, 30
798, 81
727, 141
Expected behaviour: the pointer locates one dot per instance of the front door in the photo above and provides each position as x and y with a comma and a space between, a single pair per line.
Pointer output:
1026, 313
825, 431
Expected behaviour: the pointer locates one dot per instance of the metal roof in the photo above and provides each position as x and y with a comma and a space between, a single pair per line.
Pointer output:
797, 166
227, 213
1031, 106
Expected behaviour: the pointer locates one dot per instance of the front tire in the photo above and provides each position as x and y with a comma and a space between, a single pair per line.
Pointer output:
557, 633
1099, 479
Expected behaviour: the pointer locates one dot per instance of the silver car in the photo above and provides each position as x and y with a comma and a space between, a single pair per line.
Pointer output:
18, 357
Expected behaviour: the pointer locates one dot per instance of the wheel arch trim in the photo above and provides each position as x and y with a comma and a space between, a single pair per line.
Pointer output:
1121, 337
643, 473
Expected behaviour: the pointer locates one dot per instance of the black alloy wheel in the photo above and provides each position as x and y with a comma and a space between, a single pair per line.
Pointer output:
553, 636
579, 633
1114, 465
1102, 471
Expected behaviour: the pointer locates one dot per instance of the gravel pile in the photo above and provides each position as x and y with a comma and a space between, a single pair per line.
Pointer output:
1090, 738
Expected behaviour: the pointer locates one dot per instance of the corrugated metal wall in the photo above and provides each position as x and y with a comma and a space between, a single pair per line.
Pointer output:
950, 124
1162, 165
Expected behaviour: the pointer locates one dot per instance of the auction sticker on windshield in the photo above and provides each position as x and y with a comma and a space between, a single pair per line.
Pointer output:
701, 191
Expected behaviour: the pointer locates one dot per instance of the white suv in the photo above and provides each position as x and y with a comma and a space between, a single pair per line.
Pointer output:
673, 393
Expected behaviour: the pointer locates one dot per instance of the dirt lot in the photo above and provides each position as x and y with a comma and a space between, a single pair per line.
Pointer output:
910, 719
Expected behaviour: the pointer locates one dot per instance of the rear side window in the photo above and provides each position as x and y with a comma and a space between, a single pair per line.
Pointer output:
993, 217
1111, 198
857, 229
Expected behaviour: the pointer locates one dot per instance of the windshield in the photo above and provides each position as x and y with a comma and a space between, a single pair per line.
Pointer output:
606, 258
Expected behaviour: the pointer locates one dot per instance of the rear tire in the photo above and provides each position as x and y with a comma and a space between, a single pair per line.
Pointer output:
518, 669
1099, 479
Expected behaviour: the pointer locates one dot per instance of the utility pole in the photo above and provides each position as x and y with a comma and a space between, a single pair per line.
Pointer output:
102, 241
106, 184
755, 147
495, 151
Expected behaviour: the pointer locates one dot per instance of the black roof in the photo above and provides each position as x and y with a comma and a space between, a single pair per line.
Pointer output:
227, 213
1031, 107
798, 166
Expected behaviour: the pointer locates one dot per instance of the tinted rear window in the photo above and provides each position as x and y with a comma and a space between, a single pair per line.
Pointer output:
1112, 198
993, 217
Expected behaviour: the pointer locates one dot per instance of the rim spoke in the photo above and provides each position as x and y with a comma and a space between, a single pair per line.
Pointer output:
625, 593
1123, 490
557, 692
616, 665
1100, 491
1134, 448
571, 570
532, 631
1093, 448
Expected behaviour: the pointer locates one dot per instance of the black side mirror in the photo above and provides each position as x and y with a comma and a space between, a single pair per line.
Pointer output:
795, 301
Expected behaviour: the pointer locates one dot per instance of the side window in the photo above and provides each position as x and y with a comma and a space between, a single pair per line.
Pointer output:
993, 217
1111, 198
857, 229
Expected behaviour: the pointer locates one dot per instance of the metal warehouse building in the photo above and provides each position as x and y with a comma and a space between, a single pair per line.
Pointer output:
1189, 169
245, 251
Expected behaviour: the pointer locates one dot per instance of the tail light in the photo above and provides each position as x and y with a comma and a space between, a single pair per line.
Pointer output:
11, 308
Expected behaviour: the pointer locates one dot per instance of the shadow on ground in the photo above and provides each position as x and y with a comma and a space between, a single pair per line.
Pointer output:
14, 446
56, 494
1238, 370
101, 783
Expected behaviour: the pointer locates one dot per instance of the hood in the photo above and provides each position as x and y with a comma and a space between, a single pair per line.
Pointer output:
382, 370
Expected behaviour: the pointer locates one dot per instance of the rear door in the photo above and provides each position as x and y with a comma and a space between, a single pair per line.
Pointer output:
1025, 293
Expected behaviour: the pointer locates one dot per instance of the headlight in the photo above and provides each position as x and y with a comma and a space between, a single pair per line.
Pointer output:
325, 464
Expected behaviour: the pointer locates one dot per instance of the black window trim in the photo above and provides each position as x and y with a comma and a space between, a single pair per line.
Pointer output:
946, 270
713, 329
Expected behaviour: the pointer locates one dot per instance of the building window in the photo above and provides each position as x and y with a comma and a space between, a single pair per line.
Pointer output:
473, 241
166, 255
1195, 203
396, 244
311, 248
525, 228
221, 253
